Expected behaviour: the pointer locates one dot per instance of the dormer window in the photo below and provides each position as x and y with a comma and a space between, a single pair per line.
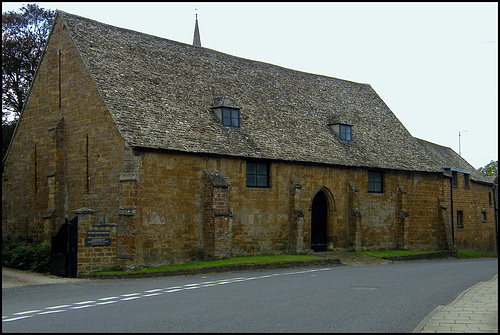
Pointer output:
230, 117
345, 132
227, 111
341, 126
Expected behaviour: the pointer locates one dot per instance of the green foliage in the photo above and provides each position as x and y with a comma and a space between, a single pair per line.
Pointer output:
491, 169
7, 132
389, 253
24, 35
476, 254
221, 262
26, 254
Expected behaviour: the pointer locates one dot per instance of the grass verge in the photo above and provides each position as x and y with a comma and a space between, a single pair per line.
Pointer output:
389, 253
476, 254
219, 262
463, 254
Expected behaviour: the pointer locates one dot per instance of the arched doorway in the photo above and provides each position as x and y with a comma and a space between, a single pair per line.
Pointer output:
319, 222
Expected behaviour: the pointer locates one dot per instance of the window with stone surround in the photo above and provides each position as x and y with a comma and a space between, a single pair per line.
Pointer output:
460, 218
345, 132
455, 178
483, 216
466, 180
375, 182
257, 174
230, 117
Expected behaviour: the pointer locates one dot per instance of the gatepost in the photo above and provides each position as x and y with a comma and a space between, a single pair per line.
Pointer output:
96, 242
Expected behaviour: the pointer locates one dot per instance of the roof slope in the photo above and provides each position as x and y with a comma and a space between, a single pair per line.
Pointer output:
159, 93
447, 158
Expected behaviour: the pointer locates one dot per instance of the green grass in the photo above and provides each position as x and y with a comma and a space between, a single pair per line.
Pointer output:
389, 253
220, 262
476, 254
461, 253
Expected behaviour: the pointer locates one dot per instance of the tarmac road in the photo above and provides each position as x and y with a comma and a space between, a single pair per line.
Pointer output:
15, 278
386, 298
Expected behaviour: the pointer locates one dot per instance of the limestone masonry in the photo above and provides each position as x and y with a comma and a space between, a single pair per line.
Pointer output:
168, 152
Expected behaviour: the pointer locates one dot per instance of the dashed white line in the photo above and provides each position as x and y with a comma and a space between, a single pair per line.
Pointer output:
172, 288
152, 294
80, 307
132, 296
56, 307
155, 290
106, 302
27, 312
108, 298
84, 302
52, 312
18, 318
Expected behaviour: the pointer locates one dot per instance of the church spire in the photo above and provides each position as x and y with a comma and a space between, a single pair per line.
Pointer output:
196, 38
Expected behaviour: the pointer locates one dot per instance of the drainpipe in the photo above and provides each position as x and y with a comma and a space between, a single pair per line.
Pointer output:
451, 212
495, 211
451, 207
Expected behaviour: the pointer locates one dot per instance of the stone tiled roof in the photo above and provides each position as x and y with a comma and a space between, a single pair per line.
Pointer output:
447, 158
159, 92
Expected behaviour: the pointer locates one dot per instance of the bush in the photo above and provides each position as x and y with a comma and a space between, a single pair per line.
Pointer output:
26, 254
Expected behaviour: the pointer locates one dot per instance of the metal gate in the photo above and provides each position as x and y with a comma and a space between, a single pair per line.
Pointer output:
63, 255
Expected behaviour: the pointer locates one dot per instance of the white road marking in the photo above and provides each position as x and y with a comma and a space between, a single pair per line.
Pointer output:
130, 294
56, 307
51, 312
80, 307
130, 298
18, 318
108, 298
28, 312
137, 295
106, 302
84, 302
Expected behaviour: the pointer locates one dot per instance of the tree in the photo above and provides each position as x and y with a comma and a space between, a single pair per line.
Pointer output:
7, 132
23, 38
491, 169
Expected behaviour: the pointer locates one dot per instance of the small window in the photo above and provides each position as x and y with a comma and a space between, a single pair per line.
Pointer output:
345, 132
375, 182
257, 174
466, 180
455, 178
483, 216
460, 222
230, 117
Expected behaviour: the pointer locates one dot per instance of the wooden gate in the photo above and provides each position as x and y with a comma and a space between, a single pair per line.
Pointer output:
63, 256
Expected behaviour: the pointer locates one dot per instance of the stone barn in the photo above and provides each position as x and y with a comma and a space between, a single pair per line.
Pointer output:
163, 152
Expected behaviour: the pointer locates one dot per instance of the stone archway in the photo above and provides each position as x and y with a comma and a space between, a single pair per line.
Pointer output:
319, 222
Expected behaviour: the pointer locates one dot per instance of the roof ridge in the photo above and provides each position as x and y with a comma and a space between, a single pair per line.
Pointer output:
159, 93
213, 50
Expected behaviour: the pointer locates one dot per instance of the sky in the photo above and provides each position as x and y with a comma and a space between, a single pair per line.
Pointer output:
434, 64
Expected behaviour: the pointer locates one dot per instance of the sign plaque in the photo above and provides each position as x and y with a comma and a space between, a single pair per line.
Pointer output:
97, 241
92, 233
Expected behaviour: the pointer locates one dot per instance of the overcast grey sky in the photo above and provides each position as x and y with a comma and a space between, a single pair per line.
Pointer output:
434, 64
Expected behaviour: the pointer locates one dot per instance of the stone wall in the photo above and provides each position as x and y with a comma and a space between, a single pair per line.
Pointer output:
66, 154
473, 200
170, 207
96, 242
173, 205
